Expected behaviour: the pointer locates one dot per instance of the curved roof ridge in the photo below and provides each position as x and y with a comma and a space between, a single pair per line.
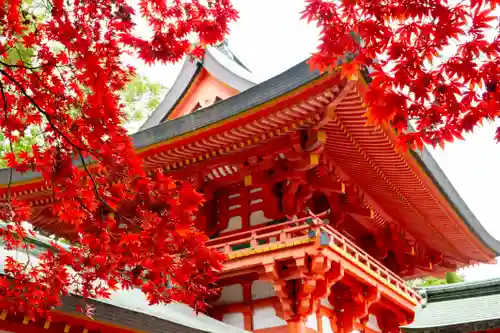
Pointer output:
220, 62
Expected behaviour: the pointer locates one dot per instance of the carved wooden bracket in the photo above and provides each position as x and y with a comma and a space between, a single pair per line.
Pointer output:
389, 322
301, 297
352, 302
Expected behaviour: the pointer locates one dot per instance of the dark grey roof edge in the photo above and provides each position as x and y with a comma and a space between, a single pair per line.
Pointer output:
442, 182
275, 87
432, 292
133, 320
461, 308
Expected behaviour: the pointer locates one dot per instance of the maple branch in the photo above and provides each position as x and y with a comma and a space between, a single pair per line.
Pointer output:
87, 149
9, 186
96, 191
7, 47
44, 85
35, 104
25, 66
9, 190
76, 147
27, 251
10, 142
49, 119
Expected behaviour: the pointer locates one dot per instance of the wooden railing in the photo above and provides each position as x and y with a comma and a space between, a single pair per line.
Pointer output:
311, 227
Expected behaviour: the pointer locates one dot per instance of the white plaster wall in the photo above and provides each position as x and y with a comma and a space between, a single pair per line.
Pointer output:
262, 289
326, 303
257, 218
235, 319
372, 323
266, 318
312, 321
234, 223
231, 294
326, 324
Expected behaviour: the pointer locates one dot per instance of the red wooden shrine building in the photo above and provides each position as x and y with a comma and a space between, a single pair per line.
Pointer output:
321, 217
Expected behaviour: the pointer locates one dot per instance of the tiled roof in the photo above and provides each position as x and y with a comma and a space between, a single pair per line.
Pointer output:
462, 307
130, 309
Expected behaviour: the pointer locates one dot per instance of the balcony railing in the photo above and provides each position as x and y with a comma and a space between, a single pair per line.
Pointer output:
307, 230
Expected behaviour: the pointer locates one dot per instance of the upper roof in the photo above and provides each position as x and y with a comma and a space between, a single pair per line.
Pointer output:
281, 84
220, 62
461, 307
255, 114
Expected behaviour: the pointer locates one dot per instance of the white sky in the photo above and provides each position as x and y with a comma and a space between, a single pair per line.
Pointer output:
269, 38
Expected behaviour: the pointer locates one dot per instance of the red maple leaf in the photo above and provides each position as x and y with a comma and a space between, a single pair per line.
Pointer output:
118, 217
409, 64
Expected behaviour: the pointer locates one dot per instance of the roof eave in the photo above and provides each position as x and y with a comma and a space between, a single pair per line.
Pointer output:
431, 167
271, 89
279, 85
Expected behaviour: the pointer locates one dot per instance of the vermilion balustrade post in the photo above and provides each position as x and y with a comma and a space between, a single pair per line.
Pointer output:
283, 235
253, 240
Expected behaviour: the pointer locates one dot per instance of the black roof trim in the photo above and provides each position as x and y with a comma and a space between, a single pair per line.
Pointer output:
460, 290
460, 327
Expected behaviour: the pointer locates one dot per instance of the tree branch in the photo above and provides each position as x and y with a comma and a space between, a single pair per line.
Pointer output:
75, 146
4, 98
